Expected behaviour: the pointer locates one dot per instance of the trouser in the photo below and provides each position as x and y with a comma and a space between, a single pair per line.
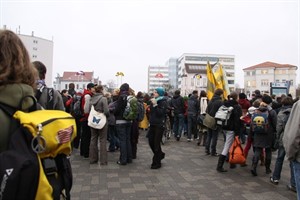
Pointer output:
85, 139
102, 135
154, 137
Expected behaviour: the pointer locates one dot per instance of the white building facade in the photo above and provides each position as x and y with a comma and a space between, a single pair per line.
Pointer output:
192, 71
260, 77
42, 50
158, 76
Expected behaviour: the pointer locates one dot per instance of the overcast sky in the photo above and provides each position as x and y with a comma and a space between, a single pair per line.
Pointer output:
128, 36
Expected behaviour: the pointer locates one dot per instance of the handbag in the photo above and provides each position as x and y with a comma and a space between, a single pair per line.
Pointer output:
200, 119
209, 122
96, 120
236, 153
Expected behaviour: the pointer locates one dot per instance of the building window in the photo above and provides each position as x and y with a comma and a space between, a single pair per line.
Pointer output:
277, 80
248, 73
66, 86
249, 83
264, 71
264, 82
253, 73
291, 82
230, 81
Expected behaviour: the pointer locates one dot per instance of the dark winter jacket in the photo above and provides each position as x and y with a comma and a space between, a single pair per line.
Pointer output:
158, 113
234, 122
120, 108
214, 104
265, 140
177, 103
193, 105
281, 122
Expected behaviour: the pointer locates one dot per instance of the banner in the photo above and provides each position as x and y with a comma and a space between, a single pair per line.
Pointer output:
221, 80
211, 81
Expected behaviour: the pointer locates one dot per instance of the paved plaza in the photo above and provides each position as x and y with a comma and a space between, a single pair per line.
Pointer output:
186, 173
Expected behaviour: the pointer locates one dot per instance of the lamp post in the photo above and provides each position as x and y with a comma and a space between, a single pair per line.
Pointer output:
119, 74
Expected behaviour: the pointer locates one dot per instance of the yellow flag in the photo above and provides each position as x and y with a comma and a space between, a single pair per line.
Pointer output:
221, 81
211, 81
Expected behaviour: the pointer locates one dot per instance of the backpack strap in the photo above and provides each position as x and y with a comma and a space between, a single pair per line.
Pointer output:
50, 98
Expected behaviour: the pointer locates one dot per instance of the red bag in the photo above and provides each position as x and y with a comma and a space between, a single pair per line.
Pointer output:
236, 153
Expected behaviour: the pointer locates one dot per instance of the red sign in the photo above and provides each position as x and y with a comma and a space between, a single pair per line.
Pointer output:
159, 75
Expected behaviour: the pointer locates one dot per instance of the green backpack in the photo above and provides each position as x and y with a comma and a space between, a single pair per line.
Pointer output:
131, 109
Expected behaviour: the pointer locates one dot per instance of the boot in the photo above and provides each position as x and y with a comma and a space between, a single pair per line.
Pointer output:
268, 164
221, 163
253, 167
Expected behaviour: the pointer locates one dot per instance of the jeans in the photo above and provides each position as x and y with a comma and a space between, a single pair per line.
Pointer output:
113, 139
279, 163
192, 126
229, 140
296, 167
124, 132
211, 141
178, 125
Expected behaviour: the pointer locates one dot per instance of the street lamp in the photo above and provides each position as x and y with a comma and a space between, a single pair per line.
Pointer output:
121, 74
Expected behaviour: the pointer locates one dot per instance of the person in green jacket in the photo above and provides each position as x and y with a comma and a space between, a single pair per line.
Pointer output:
17, 79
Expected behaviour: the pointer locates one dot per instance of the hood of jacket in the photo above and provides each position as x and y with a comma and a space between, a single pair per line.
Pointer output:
95, 98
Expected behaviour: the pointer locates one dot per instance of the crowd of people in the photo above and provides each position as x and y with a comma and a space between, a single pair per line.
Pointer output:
19, 77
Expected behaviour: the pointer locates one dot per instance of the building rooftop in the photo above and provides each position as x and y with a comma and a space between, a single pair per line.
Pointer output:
269, 65
77, 76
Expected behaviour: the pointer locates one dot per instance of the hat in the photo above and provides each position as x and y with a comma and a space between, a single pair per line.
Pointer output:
124, 87
160, 91
90, 85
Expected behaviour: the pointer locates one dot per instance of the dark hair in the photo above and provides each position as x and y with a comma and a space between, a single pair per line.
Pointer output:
139, 95
203, 93
242, 96
266, 99
15, 66
219, 92
287, 101
41, 69
71, 86
195, 92
64, 91
233, 95
256, 103
98, 88
177, 92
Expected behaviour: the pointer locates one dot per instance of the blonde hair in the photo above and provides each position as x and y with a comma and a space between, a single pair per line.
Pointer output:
15, 66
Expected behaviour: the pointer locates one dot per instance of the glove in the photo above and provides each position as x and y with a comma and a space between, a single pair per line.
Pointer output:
154, 102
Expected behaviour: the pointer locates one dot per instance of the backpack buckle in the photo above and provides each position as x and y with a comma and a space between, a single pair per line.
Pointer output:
50, 167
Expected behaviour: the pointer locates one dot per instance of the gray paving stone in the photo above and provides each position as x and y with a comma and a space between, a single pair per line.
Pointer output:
186, 174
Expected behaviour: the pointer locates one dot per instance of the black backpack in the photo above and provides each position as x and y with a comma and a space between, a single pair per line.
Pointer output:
20, 167
141, 111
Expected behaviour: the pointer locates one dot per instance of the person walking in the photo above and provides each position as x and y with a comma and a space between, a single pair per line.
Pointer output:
212, 135
231, 130
177, 105
193, 111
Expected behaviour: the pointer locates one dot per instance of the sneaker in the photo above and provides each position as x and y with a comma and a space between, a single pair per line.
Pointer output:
189, 140
274, 181
291, 188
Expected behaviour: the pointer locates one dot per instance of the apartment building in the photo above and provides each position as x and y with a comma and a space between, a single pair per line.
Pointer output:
42, 50
260, 77
158, 76
192, 70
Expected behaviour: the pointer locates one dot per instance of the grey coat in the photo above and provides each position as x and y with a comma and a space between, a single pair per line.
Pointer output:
100, 103
291, 136
280, 126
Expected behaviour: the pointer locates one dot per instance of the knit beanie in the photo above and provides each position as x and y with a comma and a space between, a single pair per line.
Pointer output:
160, 91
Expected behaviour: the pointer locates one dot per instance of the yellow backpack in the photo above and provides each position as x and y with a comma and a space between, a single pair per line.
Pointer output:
52, 131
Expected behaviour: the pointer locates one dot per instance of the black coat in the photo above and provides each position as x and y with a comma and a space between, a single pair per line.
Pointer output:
234, 122
158, 113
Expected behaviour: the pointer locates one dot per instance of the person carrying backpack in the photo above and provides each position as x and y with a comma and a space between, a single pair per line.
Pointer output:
263, 128
282, 118
48, 98
231, 130
123, 126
